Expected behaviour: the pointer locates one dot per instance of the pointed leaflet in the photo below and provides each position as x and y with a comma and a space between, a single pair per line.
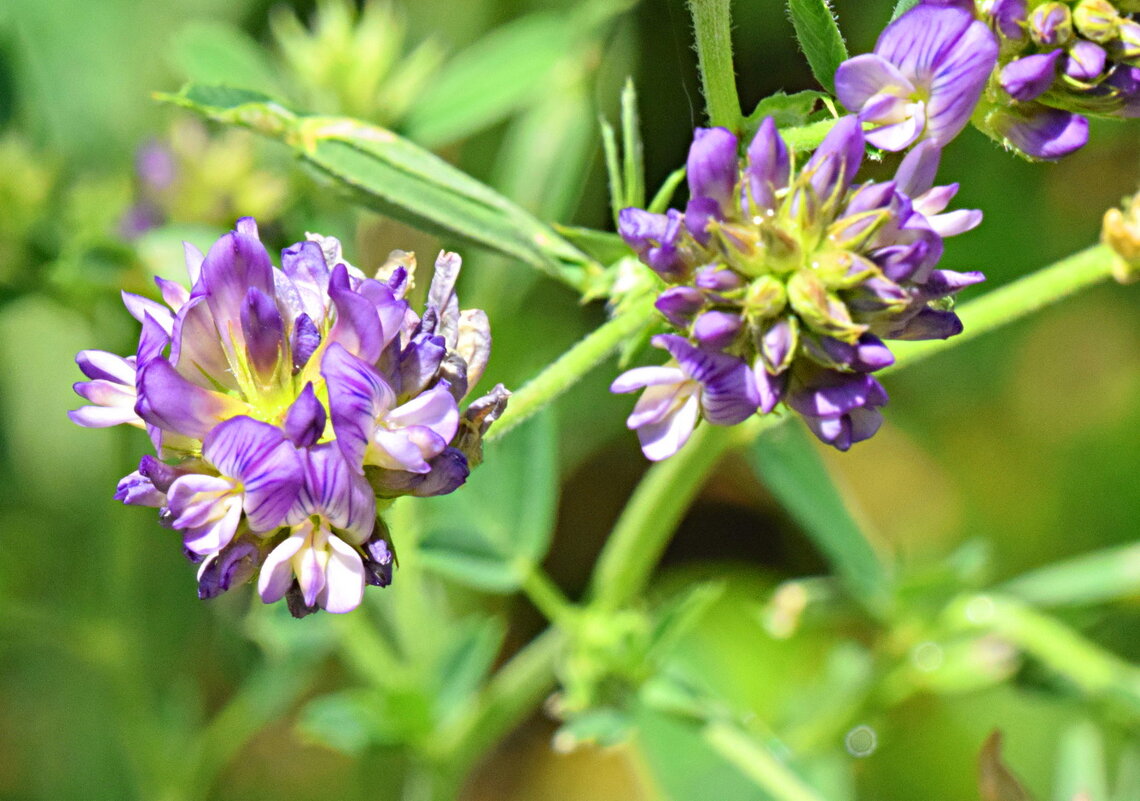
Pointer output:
398, 178
786, 461
819, 37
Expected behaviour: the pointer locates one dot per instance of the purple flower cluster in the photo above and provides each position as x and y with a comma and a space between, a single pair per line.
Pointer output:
1026, 71
1060, 61
784, 282
284, 402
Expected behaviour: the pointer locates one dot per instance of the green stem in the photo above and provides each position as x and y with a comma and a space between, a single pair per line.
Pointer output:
546, 596
758, 763
1086, 665
712, 26
656, 508
509, 697
1014, 301
569, 367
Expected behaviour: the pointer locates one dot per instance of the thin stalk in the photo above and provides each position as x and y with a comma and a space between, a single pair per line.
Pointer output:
570, 367
712, 27
656, 508
546, 596
1011, 302
759, 764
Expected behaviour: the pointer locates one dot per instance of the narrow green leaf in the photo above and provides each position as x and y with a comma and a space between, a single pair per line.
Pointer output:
819, 37
903, 6
613, 169
604, 246
504, 514
788, 464
632, 149
497, 75
1127, 786
340, 721
1091, 578
396, 177
1081, 774
788, 111
665, 194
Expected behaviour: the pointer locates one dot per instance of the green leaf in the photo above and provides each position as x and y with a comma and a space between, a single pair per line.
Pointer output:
604, 246
788, 111
680, 615
1098, 577
614, 176
396, 177
1080, 765
498, 75
819, 37
632, 148
504, 514
786, 461
465, 663
903, 6
341, 721
217, 53
602, 727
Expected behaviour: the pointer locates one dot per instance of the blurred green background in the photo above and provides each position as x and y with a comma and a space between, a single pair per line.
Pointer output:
1012, 452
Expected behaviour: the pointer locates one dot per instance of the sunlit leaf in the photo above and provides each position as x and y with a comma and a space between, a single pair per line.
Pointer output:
503, 516
819, 37
394, 176
786, 461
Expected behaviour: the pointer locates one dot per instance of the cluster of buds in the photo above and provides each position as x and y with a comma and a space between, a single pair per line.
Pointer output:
1025, 71
1059, 61
288, 405
784, 282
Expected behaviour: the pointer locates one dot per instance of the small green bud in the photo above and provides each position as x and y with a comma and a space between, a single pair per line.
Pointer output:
819, 310
1051, 24
765, 297
1121, 232
1096, 20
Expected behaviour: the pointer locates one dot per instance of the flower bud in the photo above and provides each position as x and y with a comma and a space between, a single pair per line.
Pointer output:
1096, 20
1051, 24
1121, 232
1126, 48
765, 297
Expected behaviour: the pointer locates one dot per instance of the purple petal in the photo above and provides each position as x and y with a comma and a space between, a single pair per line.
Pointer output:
263, 331
449, 469
378, 561
1009, 17
769, 166
959, 78
304, 264
833, 165
305, 421
304, 342
230, 567
277, 572
358, 396
770, 388
435, 409
135, 489
918, 41
1028, 78
357, 326
267, 465
717, 329
140, 307
1042, 132
699, 212
336, 490
679, 304
916, 172
641, 377
1086, 61
419, 363
235, 264
860, 78
946, 282
195, 348
172, 403
662, 438
712, 166
928, 324
832, 393
99, 364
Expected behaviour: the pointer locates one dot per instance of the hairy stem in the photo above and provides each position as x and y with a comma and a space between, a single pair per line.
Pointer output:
712, 26
569, 367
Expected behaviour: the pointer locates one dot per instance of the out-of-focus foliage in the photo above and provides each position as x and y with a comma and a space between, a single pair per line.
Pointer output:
999, 590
